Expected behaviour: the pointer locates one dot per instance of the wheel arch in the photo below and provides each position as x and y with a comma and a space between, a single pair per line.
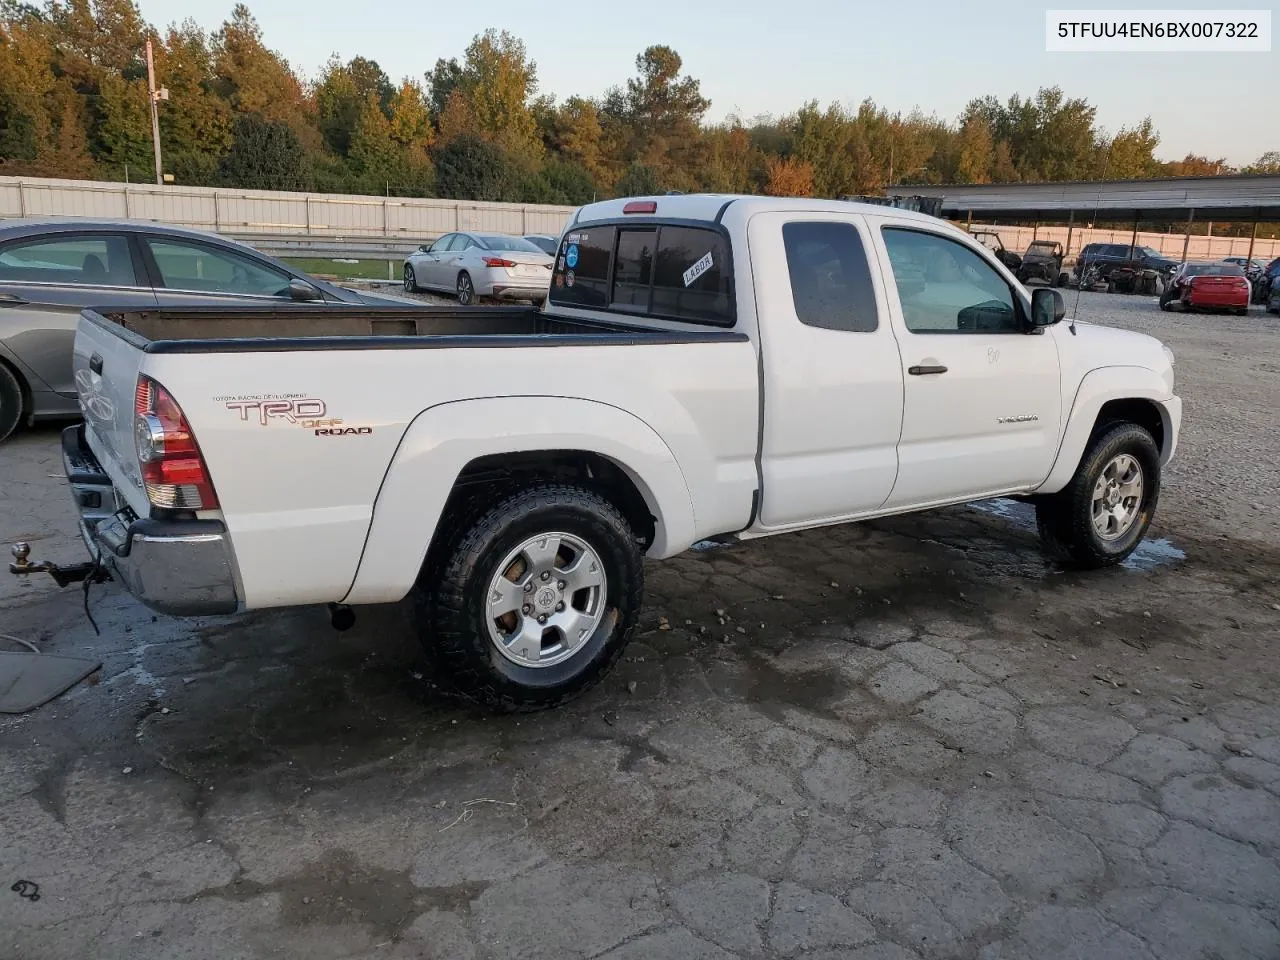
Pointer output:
452, 451
1115, 395
24, 389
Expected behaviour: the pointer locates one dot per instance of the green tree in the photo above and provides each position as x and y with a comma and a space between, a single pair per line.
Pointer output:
1131, 153
498, 79
664, 111
195, 123
638, 181
472, 168
264, 155
341, 96
1269, 162
442, 80
124, 132
732, 164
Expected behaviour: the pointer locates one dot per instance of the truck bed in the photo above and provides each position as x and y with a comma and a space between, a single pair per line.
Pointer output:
307, 326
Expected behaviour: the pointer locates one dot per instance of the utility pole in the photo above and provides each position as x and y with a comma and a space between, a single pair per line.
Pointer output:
155, 96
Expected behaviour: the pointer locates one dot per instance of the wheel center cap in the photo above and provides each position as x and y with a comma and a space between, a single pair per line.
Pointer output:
546, 599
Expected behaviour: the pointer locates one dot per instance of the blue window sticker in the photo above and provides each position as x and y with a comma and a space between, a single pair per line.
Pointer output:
571, 256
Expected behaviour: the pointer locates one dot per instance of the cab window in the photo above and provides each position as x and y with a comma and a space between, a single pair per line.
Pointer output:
946, 287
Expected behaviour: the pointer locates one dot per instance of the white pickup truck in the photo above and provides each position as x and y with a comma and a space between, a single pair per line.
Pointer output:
706, 366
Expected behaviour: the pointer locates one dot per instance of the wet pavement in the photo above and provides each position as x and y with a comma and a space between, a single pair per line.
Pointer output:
907, 738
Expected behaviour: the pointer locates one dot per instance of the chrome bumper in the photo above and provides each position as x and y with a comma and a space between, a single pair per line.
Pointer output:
178, 567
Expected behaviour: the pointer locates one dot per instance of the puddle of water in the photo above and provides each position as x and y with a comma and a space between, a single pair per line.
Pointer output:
1148, 555
1153, 553
703, 545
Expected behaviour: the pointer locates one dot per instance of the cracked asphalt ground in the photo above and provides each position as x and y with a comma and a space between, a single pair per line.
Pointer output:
908, 738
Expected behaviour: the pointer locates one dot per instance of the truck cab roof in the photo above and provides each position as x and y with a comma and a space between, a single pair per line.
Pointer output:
713, 207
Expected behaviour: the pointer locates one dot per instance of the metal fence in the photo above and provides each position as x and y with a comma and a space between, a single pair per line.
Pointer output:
250, 213
298, 222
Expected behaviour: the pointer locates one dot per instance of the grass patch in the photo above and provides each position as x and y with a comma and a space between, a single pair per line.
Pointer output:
360, 270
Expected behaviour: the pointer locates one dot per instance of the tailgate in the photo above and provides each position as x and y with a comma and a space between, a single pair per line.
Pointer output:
106, 367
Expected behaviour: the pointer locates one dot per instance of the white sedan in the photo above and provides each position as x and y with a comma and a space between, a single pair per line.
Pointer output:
480, 265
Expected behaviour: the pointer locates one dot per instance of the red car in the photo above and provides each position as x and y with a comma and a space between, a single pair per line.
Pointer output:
1210, 286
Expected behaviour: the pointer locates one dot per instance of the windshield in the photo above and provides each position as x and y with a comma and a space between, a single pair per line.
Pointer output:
496, 241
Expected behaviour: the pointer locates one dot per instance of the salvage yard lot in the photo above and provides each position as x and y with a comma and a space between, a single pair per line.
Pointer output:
907, 738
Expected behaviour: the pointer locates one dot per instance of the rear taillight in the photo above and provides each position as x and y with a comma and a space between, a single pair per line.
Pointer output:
498, 262
173, 470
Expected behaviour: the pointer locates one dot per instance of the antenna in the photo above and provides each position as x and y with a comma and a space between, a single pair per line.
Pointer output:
1084, 267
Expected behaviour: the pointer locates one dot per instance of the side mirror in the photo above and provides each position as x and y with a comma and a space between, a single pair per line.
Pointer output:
424, 248
1047, 307
302, 291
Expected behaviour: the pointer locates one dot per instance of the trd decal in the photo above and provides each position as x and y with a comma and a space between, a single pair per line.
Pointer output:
290, 411
343, 431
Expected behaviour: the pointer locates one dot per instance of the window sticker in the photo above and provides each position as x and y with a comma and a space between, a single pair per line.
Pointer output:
703, 264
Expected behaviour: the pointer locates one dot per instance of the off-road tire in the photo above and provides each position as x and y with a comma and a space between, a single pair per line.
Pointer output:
450, 596
1065, 520
11, 404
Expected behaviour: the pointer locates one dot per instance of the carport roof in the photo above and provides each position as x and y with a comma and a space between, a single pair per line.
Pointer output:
1239, 198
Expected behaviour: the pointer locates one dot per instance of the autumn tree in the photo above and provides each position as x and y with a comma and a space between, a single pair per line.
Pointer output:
788, 177
256, 80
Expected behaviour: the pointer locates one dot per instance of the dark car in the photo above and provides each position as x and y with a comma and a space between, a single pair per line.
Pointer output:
1124, 268
1042, 261
51, 269
1221, 286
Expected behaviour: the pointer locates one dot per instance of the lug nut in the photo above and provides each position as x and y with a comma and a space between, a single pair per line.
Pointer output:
562, 584
528, 587
527, 609
559, 607
546, 575
542, 618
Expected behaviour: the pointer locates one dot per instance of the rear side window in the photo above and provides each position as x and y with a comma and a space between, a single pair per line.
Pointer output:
664, 271
581, 276
830, 278
81, 260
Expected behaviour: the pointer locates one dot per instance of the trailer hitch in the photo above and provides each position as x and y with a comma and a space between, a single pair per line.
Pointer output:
93, 572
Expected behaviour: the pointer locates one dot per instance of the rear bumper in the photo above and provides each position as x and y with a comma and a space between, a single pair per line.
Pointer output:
178, 567
519, 291
1225, 299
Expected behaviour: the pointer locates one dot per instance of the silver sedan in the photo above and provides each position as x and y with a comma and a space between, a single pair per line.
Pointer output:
474, 265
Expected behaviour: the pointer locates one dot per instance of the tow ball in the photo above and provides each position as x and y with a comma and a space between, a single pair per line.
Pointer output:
22, 566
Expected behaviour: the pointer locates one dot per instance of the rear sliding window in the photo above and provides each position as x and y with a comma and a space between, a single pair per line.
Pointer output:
664, 271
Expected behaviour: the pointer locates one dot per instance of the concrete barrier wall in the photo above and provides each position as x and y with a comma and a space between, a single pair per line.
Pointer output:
248, 212
337, 217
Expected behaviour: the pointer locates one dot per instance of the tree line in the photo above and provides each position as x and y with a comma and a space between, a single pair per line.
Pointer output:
74, 103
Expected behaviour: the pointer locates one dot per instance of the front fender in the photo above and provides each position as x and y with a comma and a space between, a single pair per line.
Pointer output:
1098, 387
442, 440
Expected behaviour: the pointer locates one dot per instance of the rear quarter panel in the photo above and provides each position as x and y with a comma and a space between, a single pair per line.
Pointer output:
299, 504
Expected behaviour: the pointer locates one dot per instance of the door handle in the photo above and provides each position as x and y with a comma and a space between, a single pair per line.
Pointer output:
924, 371
95, 364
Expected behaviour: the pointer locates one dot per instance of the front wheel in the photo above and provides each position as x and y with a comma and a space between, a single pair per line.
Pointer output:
531, 602
410, 280
1101, 516
466, 290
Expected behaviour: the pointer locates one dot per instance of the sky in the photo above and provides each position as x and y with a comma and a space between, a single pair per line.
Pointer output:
757, 57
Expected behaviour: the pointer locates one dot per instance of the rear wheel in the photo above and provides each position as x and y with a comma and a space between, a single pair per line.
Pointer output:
410, 280
1103, 513
528, 604
11, 406
466, 290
